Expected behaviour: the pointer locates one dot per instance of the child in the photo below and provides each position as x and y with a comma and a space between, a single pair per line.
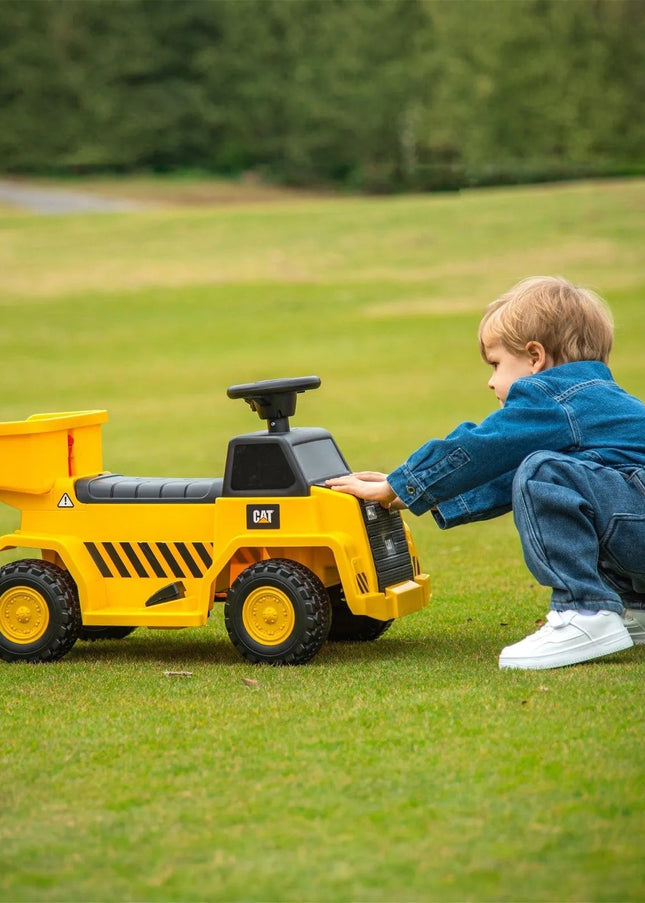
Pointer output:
565, 452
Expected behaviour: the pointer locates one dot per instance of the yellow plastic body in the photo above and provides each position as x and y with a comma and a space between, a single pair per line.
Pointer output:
121, 554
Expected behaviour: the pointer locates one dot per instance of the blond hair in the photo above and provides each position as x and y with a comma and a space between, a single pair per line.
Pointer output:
572, 323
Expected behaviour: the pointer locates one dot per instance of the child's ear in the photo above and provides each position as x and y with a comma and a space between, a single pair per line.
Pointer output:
540, 358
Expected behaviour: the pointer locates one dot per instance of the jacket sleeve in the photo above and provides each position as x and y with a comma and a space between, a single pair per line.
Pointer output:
490, 500
483, 455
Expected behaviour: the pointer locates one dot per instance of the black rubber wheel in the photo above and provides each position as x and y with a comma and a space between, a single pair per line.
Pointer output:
91, 634
350, 628
277, 612
40, 616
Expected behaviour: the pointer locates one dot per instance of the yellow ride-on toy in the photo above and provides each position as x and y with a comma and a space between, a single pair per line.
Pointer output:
295, 563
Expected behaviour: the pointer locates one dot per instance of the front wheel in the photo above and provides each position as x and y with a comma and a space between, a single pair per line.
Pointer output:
277, 612
40, 615
347, 627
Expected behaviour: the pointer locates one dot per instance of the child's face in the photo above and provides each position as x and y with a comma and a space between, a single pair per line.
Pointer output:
507, 367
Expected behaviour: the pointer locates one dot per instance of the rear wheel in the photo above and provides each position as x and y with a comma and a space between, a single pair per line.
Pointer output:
40, 615
348, 627
277, 612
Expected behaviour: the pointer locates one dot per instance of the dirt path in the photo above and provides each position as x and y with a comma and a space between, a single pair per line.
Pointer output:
50, 201
95, 195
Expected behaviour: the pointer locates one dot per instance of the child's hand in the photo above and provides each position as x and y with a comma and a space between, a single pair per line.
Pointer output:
368, 484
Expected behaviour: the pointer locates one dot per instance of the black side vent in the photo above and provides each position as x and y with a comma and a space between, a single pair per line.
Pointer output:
386, 535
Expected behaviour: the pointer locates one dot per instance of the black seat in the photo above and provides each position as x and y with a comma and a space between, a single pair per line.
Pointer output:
116, 488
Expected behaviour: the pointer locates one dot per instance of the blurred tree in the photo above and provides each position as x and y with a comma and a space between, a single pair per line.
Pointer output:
541, 88
374, 94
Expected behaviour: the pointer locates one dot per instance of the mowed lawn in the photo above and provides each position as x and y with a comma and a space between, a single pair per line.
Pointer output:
409, 769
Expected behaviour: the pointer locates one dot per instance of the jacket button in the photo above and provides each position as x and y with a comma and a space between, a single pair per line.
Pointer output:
409, 490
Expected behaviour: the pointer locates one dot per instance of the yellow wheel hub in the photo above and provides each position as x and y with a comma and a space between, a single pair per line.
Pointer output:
268, 616
24, 615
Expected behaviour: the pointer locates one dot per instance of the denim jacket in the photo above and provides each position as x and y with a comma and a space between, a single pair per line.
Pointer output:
575, 409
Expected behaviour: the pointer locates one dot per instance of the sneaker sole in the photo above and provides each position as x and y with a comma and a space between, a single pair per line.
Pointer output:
638, 637
574, 657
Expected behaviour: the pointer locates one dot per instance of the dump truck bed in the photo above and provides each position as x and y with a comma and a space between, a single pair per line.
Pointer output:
37, 451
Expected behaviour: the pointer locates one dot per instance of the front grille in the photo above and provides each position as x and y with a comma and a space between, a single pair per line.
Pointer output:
390, 551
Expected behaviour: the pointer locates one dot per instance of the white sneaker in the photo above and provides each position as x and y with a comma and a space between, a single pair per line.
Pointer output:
568, 638
634, 621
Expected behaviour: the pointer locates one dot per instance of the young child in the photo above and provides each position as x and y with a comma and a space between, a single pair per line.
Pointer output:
565, 452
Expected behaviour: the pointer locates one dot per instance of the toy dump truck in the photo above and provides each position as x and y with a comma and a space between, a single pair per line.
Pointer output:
294, 563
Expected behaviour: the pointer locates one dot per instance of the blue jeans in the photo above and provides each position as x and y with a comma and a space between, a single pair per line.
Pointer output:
582, 527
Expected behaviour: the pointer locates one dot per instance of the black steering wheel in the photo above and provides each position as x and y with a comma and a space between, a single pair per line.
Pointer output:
274, 400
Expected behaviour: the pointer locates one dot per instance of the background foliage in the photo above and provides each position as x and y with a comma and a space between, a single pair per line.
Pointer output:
371, 94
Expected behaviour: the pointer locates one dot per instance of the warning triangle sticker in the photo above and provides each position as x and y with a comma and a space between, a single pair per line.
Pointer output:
65, 502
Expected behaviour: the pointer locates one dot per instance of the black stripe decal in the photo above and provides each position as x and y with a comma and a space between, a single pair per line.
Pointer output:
111, 556
363, 585
167, 554
134, 561
152, 559
98, 560
193, 567
203, 553
114, 555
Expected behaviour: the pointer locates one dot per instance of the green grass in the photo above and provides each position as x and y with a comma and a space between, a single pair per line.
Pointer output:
410, 769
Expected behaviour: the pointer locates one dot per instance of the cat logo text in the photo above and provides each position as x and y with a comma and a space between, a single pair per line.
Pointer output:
263, 517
